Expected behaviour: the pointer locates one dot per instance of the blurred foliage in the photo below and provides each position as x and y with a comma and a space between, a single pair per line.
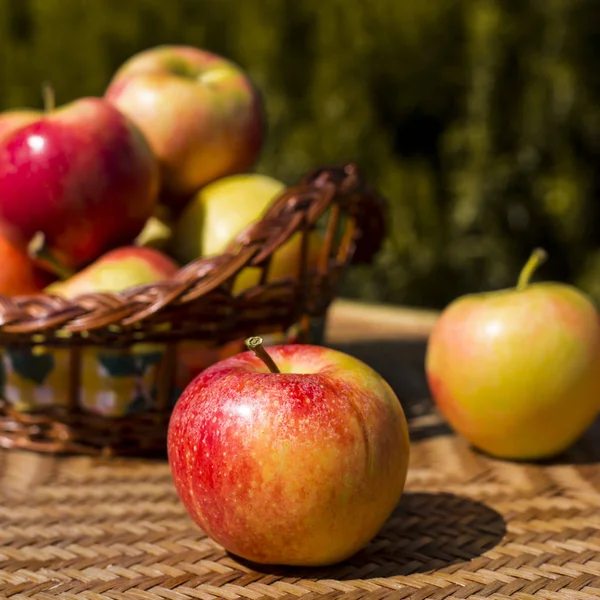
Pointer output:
479, 120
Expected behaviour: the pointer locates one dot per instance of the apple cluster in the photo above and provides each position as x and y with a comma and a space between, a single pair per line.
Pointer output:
106, 193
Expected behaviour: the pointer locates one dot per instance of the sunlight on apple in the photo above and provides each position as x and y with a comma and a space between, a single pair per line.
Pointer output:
493, 329
517, 371
37, 143
324, 451
243, 410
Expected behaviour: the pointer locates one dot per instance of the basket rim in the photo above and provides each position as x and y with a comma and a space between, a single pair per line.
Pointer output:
297, 207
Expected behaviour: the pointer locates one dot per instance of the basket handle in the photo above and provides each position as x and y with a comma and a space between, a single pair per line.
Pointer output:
368, 207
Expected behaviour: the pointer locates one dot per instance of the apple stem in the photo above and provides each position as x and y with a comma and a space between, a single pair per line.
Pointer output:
38, 250
255, 344
49, 97
538, 256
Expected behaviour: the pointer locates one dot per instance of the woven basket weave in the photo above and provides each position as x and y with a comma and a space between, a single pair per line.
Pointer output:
197, 304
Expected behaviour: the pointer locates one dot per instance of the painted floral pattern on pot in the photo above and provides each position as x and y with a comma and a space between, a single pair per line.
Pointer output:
114, 382
117, 382
34, 377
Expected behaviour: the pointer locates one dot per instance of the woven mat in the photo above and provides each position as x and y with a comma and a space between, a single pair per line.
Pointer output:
467, 527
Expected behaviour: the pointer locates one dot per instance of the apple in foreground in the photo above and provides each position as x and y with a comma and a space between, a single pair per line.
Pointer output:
199, 111
224, 208
83, 175
296, 456
517, 371
116, 271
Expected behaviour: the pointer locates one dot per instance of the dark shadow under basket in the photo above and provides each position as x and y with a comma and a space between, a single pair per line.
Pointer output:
100, 374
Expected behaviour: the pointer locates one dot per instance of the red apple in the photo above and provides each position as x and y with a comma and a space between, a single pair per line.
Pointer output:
517, 371
300, 466
199, 111
12, 120
117, 270
19, 275
83, 175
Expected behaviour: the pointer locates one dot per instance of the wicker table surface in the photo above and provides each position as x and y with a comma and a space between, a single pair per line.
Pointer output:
467, 526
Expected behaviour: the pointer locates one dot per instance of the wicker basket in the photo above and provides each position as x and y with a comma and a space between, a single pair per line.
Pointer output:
134, 345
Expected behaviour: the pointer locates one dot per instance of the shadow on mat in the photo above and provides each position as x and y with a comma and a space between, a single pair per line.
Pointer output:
426, 532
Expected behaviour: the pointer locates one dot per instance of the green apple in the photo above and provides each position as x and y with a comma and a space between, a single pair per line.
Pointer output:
219, 211
224, 208
517, 371
158, 231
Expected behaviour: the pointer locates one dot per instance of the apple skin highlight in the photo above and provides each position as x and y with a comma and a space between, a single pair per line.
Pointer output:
300, 467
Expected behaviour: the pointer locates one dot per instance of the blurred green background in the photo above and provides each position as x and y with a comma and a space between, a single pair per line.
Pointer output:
479, 120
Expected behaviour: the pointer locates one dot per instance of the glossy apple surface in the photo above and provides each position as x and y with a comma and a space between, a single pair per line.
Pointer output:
199, 111
517, 372
11, 120
117, 270
83, 175
300, 467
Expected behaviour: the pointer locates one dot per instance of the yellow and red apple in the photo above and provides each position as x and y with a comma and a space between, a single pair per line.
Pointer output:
199, 111
299, 467
517, 371
116, 271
